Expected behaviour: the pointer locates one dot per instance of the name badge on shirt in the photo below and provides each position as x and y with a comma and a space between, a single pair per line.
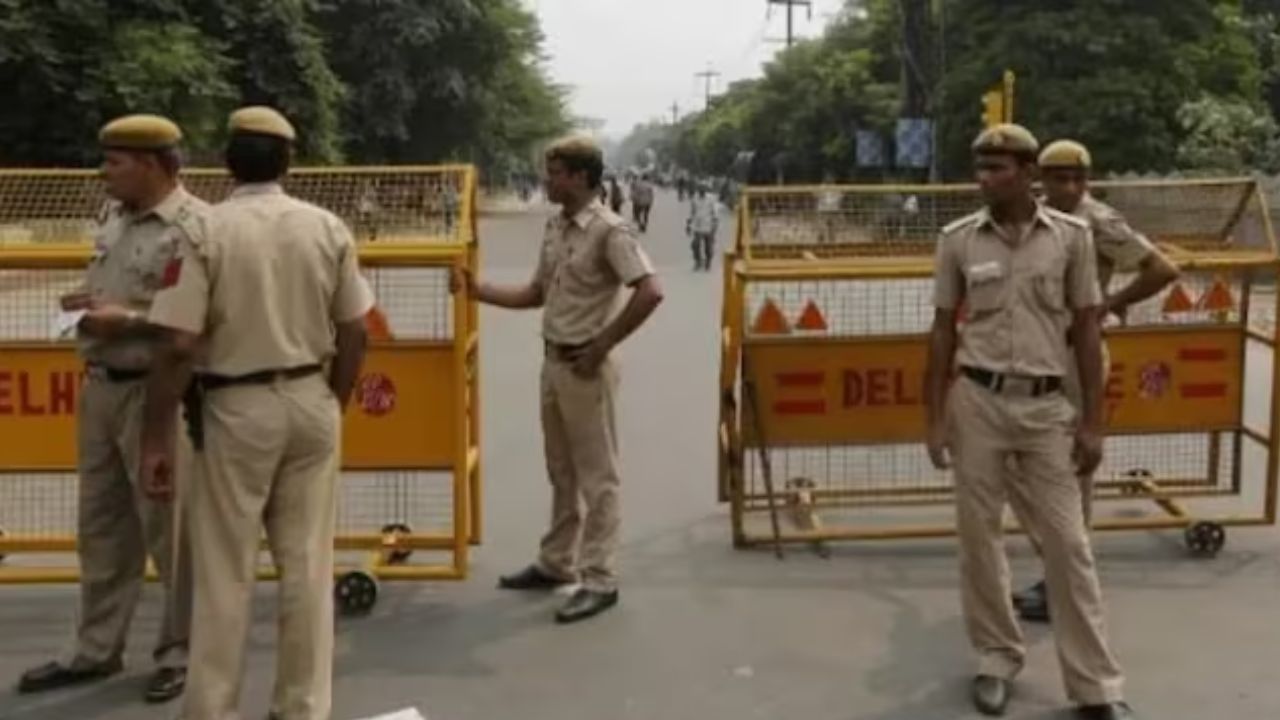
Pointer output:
985, 272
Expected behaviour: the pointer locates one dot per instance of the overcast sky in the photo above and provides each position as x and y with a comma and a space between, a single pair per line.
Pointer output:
627, 61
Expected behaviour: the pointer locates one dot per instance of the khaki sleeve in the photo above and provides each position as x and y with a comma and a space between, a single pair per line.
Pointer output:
1082, 289
628, 260
352, 297
183, 302
948, 278
1115, 240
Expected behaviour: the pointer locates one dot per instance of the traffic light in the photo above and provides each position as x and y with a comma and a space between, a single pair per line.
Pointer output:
993, 107
997, 103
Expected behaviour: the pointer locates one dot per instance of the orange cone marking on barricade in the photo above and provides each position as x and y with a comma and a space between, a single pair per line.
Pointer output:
1178, 301
375, 323
811, 320
770, 320
1217, 298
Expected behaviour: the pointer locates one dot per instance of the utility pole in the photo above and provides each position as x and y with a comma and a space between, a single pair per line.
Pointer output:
675, 113
791, 6
708, 76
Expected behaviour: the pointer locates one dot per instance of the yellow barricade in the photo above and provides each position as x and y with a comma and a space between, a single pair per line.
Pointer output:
410, 499
827, 306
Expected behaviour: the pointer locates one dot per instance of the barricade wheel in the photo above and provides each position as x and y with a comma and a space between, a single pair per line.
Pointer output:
390, 532
1136, 477
1205, 539
356, 593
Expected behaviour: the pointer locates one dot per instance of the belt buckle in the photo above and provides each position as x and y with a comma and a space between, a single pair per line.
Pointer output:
1020, 385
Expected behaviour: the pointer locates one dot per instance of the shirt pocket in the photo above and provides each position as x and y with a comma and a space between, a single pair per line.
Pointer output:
1050, 291
584, 271
146, 268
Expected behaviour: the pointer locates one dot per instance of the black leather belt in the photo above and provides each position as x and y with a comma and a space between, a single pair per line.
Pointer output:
262, 377
97, 371
999, 382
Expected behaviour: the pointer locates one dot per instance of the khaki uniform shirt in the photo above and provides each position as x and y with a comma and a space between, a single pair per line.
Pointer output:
267, 284
1119, 247
1020, 292
133, 255
585, 262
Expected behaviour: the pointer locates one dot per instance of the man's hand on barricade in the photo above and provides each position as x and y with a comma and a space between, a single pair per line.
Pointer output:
460, 278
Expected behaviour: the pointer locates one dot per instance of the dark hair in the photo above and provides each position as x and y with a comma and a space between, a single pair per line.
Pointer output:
579, 155
256, 158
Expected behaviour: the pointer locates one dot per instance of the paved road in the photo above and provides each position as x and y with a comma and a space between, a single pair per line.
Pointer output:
703, 631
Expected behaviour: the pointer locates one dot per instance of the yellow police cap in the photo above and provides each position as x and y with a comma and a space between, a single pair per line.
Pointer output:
261, 120
140, 132
1066, 154
1008, 138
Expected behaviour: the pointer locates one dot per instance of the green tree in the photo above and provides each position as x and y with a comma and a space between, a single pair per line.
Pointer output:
69, 66
280, 61
436, 80
1228, 136
1113, 75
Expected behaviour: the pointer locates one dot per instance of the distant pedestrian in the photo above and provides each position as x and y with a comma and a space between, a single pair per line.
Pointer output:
616, 198
704, 221
642, 202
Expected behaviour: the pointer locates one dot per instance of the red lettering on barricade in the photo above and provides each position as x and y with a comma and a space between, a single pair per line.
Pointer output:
62, 393
877, 387
27, 407
900, 396
1202, 355
1203, 390
852, 388
801, 379
1114, 389
872, 388
6, 392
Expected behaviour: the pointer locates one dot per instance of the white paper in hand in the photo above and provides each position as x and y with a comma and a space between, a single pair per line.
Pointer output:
64, 325
406, 714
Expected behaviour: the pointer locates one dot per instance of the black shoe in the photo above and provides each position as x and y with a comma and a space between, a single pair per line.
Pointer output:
1107, 711
54, 675
990, 694
166, 684
584, 604
530, 578
1033, 603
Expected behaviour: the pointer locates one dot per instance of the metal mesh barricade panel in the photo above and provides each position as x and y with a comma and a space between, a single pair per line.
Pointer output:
379, 204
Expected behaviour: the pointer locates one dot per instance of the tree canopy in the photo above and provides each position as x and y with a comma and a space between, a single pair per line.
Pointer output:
1149, 85
364, 81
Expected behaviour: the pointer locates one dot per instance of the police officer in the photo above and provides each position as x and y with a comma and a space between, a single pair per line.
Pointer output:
135, 244
588, 255
1028, 276
1064, 169
274, 288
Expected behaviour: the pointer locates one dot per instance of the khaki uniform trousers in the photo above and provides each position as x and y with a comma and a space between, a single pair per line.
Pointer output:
581, 448
118, 527
271, 457
987, 431
1074, 393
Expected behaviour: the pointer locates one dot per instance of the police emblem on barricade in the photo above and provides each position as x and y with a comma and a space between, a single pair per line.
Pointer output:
1153, 380
376, 394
